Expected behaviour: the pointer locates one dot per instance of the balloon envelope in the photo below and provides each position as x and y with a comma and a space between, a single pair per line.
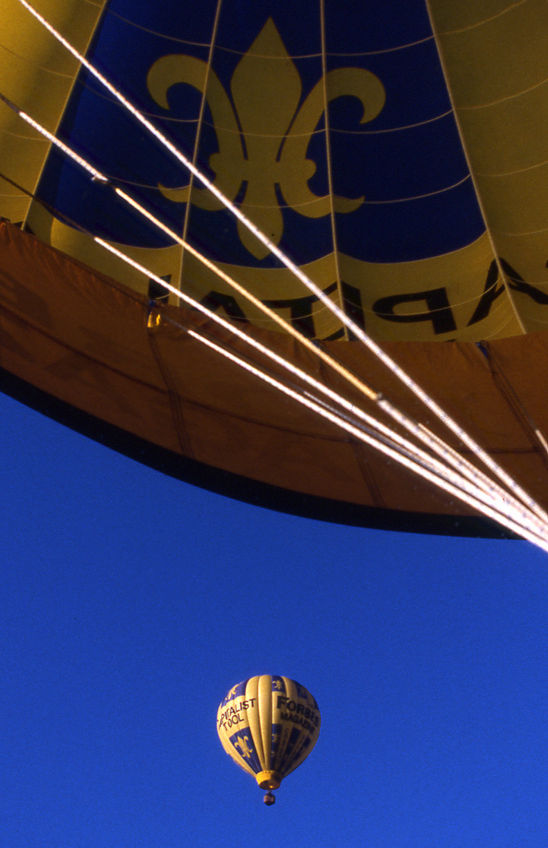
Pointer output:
268, 725
395, 151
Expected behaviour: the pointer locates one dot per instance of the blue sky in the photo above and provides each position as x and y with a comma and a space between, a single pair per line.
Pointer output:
131, 602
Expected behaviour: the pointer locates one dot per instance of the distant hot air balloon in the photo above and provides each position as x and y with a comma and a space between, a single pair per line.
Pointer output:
393, 150
268, 725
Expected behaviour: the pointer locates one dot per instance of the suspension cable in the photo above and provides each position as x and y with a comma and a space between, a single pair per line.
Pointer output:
470, 479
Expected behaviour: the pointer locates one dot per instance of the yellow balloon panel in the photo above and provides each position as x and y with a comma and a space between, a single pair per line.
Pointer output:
38, 75
496, 67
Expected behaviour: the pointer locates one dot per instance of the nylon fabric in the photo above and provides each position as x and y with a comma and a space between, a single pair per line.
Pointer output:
412, 253
401, 162
274, 723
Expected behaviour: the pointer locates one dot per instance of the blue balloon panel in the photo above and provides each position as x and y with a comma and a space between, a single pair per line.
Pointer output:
381, 137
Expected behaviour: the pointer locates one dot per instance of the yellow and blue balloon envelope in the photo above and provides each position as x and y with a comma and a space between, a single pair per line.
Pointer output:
268, 724
393, 150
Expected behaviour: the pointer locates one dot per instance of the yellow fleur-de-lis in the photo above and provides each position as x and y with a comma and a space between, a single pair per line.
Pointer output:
245, 750
264, 137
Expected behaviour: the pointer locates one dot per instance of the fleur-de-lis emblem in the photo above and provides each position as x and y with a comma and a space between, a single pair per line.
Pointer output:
264, 131
245, 750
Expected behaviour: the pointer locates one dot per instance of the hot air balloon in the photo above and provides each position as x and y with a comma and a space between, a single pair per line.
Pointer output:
347, 203
268, 724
